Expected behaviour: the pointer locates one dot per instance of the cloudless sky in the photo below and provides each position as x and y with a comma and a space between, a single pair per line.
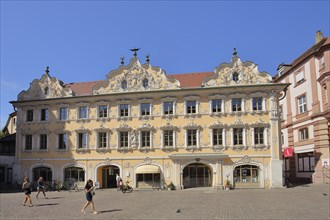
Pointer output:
84, 40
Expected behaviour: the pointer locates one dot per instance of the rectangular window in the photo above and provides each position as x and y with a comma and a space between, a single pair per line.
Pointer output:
192, 137
124, 110
29, 115
145, 109
258, 136
63, 113
82, 140
216, 105
44, 114
300, 77
123, 139
302, 104
303, 133
238, 136
257, 103
217, 137
103, 111
145, 139
43, 142
236, 104
102, 140
306, 162
168, 138
83, 112
28, 142
62, 140
191, 106
168, 108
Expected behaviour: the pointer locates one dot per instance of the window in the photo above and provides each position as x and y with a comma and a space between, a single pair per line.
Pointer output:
83, 112
236, 104
103, 111
145, 139
257, 103
302, 104
238, 136
168, 108
62, 141
216, 105
145, 109
217, 137
168, 138
28, 142
306, 162
258, 136
74, 173
124, 84
303, 134
43, 142
124, 110
63, 113
191, 106
82, 140
235, 77
102, 140
145, 83
29, 115
123, 137
44, 114
192, 137
300, 78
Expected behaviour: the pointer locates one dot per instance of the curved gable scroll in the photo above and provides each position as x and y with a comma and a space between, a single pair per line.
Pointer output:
44, 88
136, 77
237, 73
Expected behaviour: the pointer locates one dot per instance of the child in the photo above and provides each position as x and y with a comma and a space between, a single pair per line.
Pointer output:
26, 186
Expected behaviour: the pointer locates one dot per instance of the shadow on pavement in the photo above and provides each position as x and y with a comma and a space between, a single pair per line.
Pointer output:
48, 204
112, 210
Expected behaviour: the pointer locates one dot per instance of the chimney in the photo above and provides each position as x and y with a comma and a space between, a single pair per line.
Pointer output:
318, 36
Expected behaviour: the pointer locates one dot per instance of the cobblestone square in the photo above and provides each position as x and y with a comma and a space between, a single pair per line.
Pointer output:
302, 202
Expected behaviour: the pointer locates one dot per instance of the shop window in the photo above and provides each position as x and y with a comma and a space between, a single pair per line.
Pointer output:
306, 162
246, 174
74, 174
44, 172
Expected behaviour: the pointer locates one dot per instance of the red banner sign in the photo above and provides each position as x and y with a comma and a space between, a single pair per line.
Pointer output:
288, 152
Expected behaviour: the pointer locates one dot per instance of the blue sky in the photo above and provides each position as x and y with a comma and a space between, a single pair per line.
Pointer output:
84, 40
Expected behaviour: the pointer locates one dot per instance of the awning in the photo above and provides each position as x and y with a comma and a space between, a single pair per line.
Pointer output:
304, 149
147, 169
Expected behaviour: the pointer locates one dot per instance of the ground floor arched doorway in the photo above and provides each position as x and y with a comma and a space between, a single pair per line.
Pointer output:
44, 172
196, 175
109, 176
247, 176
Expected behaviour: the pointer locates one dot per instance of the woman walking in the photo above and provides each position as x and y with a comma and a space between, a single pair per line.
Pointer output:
26, 186
41, 187
89, 190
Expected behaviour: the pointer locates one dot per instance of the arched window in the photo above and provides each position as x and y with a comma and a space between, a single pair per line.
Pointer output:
246, 176
44, 172
46, 90
124, 84
145, 83
235, 76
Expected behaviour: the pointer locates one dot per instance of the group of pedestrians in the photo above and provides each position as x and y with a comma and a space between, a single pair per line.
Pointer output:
27, 185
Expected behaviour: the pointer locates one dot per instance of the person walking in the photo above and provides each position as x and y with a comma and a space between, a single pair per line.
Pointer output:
26, 186
118, 180
41, 187
89, 191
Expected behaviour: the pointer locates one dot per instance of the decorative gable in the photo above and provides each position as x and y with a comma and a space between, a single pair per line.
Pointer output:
237, 73
45, 88
135, 77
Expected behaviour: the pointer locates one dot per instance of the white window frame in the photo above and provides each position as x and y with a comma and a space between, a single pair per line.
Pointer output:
39, 141
66, 141
302, 104
84, 132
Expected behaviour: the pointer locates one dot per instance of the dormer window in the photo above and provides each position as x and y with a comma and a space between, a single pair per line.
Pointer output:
124, 84
46, 90
145, 83
235, 77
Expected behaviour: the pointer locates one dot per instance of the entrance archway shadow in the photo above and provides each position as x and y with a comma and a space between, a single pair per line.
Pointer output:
112, 210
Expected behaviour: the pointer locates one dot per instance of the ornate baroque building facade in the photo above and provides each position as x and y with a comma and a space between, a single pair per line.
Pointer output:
194, 130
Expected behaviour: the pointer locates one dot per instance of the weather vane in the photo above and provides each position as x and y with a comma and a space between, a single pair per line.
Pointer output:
122, 60
148, 58
47, 69
235, 52
135, 50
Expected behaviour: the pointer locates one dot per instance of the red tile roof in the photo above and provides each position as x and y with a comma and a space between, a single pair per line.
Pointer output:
188, 80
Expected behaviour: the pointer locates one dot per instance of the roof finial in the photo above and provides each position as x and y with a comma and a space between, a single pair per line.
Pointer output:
135, 50
122, 60
235, 52
148, 58
47, 70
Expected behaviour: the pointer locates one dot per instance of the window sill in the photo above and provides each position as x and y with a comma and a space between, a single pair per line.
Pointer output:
299, 83
239, 147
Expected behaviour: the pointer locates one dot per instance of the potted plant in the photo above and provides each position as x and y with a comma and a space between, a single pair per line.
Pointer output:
227, 184
171, 186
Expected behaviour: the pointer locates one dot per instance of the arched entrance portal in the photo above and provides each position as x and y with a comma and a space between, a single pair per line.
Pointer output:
196, 175
109, 176
45, 172
247, 176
